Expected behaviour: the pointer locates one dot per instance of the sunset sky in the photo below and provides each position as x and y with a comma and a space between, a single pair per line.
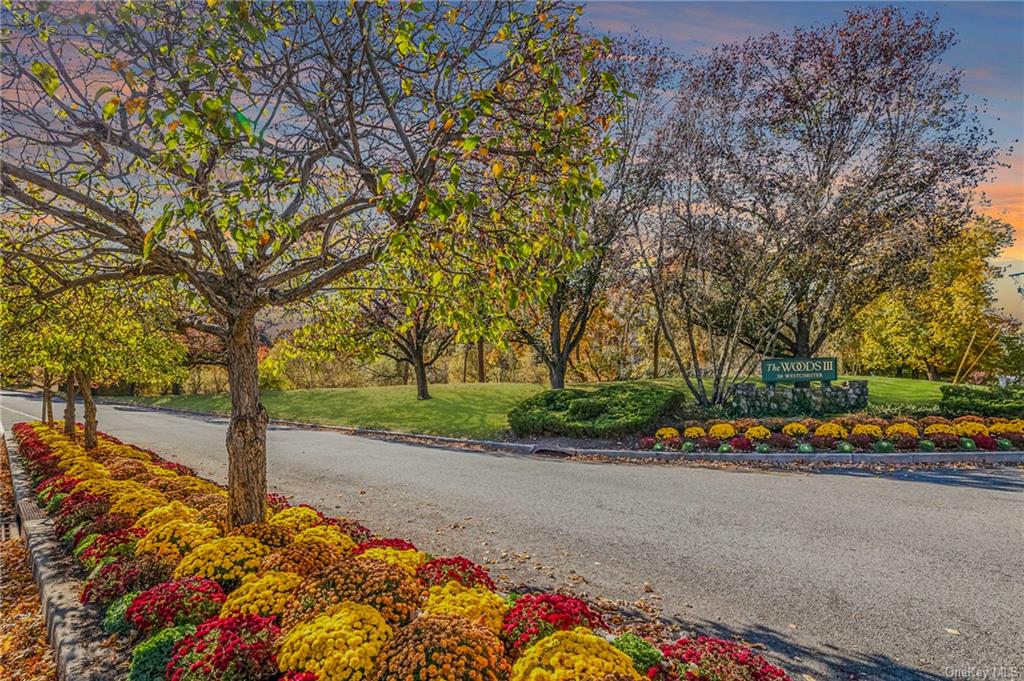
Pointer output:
990, 51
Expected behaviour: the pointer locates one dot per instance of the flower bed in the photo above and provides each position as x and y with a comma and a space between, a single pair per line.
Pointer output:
846, 434
304, 597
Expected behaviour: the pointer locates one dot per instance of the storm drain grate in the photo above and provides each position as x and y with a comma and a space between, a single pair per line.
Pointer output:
8, 529
28, 510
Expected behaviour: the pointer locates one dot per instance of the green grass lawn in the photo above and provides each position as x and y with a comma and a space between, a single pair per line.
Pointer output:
470, 410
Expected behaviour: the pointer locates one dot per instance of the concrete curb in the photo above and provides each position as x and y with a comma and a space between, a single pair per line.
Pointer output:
72, 629
555, 451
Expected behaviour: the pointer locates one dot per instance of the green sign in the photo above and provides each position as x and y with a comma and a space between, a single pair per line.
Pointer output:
799, 369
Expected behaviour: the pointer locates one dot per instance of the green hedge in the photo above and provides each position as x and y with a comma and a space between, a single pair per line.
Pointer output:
622, 409
958, 400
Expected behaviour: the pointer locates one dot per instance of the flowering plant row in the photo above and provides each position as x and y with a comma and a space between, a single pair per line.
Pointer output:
305, 597
844, 434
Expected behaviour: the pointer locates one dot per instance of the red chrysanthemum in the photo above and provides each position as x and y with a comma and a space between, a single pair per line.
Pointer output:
534, 616
240, 647
170, 604
440, 571
387, 543
704, 657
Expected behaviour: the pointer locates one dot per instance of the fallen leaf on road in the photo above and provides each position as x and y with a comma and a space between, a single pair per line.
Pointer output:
952, 631
808, 677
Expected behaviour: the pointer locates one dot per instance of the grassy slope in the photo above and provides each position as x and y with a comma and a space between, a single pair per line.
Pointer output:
461, 410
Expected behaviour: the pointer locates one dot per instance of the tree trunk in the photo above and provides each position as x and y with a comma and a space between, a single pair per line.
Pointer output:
421, 375
931, 371
47, 398
69, 406
556, 373
803, 343
247, 431
465, 363
85, 386
481, 373
657, 351
405, 373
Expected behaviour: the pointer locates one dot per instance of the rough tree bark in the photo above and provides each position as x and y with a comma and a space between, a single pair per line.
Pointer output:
247, 430
47, 398
420, 367
89, 407
657, 351
556, 373
69, 406
481, 373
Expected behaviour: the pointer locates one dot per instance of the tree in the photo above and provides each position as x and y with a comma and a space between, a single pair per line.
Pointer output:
855, 137
256, 153
89, 336
393, 316
949, 324
554, 325
706, 267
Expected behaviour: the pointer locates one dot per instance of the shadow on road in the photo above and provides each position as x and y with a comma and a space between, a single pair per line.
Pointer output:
798, 660
1001, 479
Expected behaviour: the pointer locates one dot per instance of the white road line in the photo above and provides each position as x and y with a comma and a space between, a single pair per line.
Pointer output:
31, 416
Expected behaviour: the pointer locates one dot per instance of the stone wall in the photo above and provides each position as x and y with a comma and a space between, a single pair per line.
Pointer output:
775, 400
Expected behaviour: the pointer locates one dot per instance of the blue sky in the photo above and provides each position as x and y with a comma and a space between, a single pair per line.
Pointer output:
990, 51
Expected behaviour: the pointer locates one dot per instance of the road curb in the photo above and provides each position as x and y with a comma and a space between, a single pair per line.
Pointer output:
71, 628
555, 451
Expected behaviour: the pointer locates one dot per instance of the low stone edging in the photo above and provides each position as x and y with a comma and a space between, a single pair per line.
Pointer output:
71, 629
556, 451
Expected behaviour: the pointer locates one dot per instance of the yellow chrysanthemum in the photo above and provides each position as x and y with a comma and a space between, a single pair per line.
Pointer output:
869, 429
901, 429
328, 534
265, 595
758, 433
161, 514
476, 604
226, 560
666, 433
831, 429
298, 518
406, 559
722, 431
339, 645
795, 429
571, 656
971, 428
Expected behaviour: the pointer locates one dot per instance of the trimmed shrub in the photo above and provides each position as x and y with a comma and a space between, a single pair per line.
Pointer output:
604, 412
983, 401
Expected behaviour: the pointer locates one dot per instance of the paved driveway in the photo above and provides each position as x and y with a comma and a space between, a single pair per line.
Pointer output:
841, 574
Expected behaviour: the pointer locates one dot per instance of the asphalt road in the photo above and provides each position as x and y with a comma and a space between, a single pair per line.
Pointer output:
840, 575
